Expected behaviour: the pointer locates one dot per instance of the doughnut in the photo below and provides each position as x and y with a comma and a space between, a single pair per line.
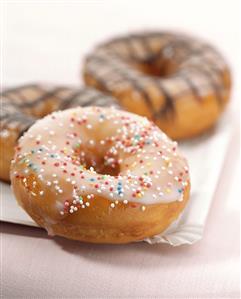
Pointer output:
177, 81
100, 175
22, 106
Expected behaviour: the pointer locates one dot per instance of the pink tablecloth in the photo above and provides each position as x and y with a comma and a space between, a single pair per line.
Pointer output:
37, 266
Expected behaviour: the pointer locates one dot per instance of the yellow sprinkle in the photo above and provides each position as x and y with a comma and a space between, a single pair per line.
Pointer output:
133, 164
168, 190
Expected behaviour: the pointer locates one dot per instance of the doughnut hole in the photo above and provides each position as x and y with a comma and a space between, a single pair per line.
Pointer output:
102, 161
159, 66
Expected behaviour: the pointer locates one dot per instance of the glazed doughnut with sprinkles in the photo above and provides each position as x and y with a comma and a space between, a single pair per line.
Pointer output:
100, 175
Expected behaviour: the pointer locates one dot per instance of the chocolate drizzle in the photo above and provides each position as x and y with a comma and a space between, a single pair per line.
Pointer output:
193, 87
71, 100
217, 88
160, 48
42, 98
136, 84
168, 108
19, 105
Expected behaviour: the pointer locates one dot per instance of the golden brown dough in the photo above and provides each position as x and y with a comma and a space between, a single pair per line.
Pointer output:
179, 82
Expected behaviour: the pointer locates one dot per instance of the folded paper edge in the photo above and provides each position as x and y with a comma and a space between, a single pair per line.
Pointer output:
185, 234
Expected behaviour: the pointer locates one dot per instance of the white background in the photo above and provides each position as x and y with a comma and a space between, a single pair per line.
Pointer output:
47, 40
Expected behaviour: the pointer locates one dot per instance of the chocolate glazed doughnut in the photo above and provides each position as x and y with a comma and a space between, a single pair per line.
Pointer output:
23, 105
179, 82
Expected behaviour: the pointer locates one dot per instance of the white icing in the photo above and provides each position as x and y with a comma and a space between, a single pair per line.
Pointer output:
150, 165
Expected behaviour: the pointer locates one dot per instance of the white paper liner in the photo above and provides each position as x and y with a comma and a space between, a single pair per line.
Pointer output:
205, 156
